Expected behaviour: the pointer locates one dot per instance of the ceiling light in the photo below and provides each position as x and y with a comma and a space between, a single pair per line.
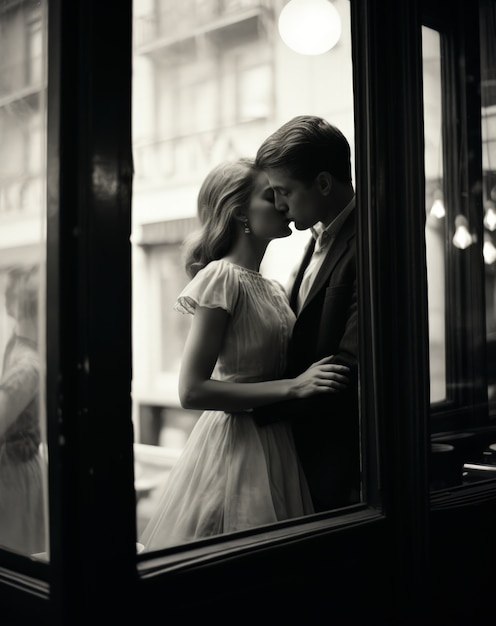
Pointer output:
310, 26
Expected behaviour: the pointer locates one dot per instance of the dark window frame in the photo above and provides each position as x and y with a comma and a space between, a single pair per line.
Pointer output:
466, 406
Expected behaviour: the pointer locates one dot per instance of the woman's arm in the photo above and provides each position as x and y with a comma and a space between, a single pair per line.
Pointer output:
17, 388
197, 390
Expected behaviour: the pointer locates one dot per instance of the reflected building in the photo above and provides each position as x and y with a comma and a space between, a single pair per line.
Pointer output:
22, 139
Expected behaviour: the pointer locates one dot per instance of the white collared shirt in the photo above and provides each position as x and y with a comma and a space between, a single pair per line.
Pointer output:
324, 236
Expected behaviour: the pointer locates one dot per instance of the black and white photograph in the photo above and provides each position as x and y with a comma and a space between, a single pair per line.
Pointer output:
248, 312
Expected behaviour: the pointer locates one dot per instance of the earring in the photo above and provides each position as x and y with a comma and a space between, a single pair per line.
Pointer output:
247, 228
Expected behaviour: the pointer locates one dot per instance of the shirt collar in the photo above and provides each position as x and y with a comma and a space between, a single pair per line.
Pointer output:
322, 234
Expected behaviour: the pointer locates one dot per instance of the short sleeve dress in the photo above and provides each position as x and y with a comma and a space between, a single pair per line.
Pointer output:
232, 474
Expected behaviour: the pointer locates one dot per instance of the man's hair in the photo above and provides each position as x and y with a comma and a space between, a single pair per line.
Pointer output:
305, 146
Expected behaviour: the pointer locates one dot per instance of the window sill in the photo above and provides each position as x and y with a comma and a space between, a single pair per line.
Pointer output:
205, 551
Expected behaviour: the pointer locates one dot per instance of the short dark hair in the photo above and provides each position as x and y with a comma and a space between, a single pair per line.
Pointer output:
305, 146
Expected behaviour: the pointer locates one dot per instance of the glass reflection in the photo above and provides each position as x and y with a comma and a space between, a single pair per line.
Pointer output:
21, 462
435, 219
460, 456
488, 126
211, 81
23, 501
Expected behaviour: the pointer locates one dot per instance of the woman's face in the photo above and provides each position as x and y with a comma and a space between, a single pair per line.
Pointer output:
264, 220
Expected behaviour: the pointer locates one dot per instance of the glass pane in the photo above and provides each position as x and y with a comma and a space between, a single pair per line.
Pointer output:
435, 221
488, 96
211, 81
23, 454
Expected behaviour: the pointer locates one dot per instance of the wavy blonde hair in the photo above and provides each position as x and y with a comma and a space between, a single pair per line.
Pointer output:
225, 191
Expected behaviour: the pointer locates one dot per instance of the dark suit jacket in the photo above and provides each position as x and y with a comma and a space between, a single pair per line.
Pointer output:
326, 426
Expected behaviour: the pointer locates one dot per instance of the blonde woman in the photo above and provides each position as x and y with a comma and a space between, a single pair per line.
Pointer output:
232, 474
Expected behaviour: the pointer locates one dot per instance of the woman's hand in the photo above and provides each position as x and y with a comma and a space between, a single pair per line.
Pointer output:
321, 377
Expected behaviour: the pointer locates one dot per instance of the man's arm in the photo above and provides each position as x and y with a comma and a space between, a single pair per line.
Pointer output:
347, 354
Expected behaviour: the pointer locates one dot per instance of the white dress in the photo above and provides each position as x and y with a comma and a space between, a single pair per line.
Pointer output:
232, 474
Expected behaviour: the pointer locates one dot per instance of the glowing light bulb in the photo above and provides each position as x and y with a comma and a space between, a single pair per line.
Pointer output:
489, 252
462, 238
437, 209
490, 217
310, 26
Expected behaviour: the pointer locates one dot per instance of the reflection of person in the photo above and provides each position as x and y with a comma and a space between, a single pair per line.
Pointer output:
308, 165
21, 485
233, 475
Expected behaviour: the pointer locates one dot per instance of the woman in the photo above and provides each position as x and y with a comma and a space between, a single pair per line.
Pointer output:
232, 474
22, 526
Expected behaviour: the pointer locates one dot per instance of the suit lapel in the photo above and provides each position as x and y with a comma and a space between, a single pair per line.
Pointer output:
338, 248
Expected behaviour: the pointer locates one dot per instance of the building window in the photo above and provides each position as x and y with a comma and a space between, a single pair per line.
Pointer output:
254, 93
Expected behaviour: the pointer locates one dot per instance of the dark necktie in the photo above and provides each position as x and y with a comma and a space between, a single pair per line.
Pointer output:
293, 302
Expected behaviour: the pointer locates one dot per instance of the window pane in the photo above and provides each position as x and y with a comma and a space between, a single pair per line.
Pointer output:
23, 455
488, 96
211, 81
435, 222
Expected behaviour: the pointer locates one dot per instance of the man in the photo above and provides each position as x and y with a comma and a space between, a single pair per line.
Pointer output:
308, 163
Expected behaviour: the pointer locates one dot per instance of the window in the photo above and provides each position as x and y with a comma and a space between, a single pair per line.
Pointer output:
205, 95
458, 246
254, 93
488, 102
23, 450
435, 222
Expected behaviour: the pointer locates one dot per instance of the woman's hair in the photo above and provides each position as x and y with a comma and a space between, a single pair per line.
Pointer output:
225, 190
306, 146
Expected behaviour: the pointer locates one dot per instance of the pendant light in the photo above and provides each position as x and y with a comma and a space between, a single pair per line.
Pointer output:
310, 27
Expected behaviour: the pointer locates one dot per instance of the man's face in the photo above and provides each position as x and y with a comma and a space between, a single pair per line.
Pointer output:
265, 221
303, 204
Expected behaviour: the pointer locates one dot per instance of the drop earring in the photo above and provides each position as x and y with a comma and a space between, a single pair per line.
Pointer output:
247, 228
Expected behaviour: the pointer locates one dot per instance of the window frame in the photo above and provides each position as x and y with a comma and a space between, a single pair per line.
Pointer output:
466, 402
